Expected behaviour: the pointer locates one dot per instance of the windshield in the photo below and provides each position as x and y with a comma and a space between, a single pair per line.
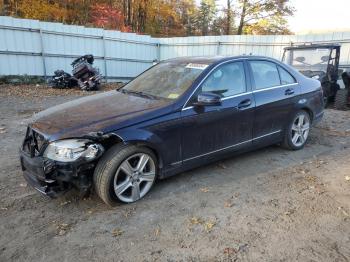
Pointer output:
166, 80
304, 60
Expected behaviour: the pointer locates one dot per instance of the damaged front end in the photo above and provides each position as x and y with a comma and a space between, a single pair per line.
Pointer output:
55, 167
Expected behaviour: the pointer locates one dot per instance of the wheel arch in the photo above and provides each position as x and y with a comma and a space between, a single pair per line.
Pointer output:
150, 146
309, 111
140, 138
111, 140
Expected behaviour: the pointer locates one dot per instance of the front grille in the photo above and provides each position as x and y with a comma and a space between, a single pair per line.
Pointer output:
33, 143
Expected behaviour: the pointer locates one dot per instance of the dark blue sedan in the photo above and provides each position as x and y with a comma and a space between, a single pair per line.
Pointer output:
177, 115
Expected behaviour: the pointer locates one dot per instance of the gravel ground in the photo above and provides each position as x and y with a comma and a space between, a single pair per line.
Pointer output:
267, 205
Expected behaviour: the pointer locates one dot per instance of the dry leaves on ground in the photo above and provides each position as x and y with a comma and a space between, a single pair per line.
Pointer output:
228, 203
65, 203
117, 232
230, 251
196, 221
62, 228
207, 225
157, 232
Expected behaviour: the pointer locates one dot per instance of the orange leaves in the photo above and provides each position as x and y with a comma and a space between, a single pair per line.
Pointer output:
103, 15
42, 10
155, 17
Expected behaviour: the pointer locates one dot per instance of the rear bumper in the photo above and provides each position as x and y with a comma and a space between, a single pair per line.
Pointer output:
54, 178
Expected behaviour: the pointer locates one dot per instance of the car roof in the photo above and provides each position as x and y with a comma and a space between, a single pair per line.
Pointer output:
215, 60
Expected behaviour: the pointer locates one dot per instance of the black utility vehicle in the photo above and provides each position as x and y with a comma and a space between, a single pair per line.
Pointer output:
321, 62
179, 114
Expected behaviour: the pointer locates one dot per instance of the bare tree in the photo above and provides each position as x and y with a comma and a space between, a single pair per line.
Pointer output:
254, 10
229, 16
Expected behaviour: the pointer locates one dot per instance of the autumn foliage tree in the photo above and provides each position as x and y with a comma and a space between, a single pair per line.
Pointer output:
161, 17
41, 10
105, 16
206, 15
262, 12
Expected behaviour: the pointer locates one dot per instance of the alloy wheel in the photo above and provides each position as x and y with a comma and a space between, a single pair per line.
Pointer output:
134, 177
300, 130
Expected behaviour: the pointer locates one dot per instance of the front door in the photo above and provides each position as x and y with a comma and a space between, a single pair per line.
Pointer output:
209, 130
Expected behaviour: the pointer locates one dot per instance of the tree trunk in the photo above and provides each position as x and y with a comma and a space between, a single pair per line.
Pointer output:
189, 26
229, 18
124, 13
3, 9
241, 22
129, 12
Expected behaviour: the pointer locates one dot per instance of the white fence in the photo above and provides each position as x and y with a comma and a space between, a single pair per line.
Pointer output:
39, 48
248, 44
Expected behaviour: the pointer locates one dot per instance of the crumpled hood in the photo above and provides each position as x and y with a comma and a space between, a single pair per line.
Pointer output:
104, 112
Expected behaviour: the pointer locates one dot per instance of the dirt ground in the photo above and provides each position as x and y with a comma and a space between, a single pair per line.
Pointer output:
267, 205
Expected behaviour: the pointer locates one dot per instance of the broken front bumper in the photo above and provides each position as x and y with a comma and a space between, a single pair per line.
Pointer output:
52, 178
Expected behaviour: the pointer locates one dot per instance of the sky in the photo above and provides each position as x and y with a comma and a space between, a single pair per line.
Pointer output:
317, 16
320, 15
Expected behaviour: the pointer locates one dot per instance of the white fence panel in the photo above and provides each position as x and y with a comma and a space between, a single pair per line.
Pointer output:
272, 46
39, 48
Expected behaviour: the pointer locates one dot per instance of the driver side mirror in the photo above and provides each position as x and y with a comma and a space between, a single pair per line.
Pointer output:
208, 99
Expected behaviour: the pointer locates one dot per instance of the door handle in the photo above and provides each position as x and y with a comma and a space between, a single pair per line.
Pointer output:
289, 91
245, 103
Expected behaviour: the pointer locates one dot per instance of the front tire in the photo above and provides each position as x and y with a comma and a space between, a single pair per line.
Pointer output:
297, 132
126, 173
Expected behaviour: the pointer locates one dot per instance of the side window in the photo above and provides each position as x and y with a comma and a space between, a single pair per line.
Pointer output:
226, 80
286, 78
265, 74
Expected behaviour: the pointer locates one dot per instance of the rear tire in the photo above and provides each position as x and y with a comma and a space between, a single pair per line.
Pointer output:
297, 132
341, 99
125, 173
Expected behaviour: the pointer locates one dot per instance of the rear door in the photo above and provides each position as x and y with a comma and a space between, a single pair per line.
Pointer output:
274, 90
209, 130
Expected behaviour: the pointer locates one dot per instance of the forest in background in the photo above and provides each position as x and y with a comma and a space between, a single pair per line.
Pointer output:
161, 18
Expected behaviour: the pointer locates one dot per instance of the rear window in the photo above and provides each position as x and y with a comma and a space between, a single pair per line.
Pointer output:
265, 74
286, 78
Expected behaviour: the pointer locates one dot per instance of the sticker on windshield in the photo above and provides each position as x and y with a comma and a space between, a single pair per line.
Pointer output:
197, 66
173, 96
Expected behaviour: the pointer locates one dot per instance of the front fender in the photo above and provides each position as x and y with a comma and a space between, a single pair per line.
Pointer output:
143, 137
162, 135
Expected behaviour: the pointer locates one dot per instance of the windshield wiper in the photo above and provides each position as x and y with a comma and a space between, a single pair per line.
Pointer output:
138, 93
